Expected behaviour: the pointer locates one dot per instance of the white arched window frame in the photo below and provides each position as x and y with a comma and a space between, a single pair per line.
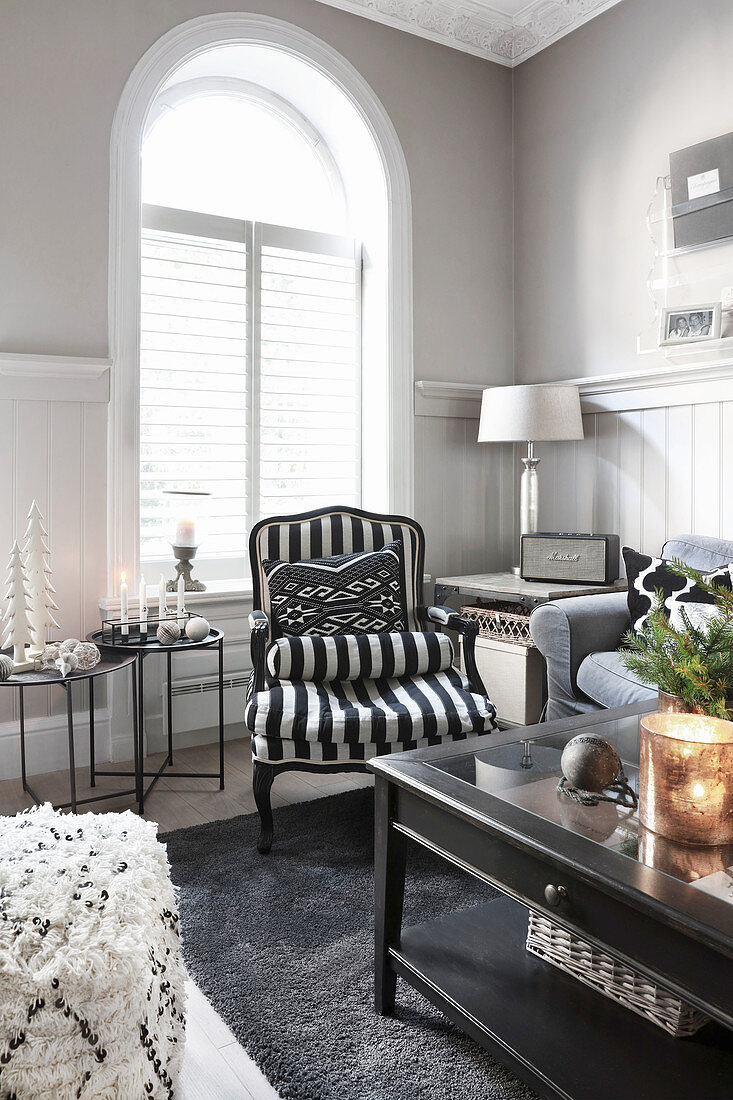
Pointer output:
390, 307
238, 88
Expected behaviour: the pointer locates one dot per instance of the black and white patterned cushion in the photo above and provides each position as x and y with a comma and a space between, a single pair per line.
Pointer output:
275, 750
379, 712
359, 657
645, 575
358, 593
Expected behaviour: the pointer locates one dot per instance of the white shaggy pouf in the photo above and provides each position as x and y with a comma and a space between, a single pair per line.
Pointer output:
91, 978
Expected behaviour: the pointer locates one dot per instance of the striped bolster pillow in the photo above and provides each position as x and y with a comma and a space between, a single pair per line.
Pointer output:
359, 657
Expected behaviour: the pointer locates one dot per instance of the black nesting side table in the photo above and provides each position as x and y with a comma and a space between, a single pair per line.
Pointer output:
112, 660
141, 650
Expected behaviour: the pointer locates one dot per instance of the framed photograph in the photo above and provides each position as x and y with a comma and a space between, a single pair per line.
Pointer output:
690, 324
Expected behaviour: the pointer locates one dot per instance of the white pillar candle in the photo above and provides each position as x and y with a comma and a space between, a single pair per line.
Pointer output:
185, 532
181, 604
161, 597
142, 595
123, 606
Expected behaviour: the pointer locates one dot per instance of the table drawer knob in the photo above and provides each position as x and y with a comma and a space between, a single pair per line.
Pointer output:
555, 894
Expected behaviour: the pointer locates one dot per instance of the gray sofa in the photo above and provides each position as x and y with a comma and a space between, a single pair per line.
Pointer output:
579, 637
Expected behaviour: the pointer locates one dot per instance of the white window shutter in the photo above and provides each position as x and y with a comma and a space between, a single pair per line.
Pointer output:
309, 379
250, 376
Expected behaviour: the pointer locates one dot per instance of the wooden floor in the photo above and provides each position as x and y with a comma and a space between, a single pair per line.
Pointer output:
215, 1065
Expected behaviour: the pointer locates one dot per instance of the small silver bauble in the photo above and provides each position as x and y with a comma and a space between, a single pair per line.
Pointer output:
197, 629
168, 633
589, 763
6, 666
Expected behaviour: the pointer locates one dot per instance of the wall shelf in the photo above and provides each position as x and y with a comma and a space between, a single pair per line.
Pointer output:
689, 355
681, 278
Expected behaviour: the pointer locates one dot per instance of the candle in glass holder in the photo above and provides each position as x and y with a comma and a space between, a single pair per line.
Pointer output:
162, 610
686, 777
124, 605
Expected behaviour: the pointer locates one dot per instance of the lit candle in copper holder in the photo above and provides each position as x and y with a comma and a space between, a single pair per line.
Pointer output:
686, 778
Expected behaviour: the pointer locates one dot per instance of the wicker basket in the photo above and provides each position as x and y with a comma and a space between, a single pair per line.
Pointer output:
614, 979
503, 625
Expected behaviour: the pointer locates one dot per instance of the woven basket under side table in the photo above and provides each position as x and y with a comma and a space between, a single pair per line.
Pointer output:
496, 620
611, 977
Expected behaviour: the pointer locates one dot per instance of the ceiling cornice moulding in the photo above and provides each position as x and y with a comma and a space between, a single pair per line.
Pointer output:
478, 28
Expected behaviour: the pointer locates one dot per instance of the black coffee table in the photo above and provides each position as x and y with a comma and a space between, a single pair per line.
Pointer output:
474, 805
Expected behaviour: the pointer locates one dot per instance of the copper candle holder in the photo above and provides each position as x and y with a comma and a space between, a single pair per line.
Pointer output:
686, 778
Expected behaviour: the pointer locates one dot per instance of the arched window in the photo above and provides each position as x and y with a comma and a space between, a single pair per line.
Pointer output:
250, 336
226, 146
262, 329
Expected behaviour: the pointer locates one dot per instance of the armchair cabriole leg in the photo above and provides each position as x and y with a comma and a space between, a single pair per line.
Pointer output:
262, 779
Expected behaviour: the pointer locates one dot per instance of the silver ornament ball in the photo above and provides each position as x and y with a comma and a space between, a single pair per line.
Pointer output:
590, 763
168, 633
6, 666
197, 629
87, 655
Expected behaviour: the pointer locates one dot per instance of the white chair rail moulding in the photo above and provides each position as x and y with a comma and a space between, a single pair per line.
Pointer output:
54, 378
181, 45
687, 382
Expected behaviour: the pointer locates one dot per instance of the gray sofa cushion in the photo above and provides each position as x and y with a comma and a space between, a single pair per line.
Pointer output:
604, 679
702, 552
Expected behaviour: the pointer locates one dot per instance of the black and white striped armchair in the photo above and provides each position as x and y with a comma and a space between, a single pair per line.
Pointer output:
322, 698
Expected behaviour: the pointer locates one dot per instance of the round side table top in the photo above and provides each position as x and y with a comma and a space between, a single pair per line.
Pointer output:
111, 661
154, 646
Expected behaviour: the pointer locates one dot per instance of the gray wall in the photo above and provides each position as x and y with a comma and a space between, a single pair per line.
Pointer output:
595, 118
62, 69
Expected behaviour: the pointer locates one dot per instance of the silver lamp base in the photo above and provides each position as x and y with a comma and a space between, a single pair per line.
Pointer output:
529, 504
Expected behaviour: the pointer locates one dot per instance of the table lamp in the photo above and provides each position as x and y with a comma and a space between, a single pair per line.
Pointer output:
511, 414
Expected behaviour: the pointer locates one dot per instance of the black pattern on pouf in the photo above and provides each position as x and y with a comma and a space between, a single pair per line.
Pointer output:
92, 1003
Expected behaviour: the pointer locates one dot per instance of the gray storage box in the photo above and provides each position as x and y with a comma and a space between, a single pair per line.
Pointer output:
701, 218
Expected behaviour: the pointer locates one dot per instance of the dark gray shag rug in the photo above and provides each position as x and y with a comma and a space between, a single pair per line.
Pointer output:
282, 947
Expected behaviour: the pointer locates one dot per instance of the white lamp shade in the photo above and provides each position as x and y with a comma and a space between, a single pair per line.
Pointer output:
513, 413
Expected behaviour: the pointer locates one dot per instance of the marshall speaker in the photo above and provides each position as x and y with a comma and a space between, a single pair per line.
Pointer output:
574, 559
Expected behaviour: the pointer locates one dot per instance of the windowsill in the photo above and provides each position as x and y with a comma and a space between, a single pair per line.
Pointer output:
217, 593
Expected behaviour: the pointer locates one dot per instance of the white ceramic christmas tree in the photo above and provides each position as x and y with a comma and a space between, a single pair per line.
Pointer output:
38, 577
17, 630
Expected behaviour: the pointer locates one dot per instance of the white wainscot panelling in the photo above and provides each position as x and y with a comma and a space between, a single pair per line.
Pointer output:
647, 473
656, 460
54, 451
463, 497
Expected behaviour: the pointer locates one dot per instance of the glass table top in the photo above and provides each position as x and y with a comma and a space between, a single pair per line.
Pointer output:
526, 774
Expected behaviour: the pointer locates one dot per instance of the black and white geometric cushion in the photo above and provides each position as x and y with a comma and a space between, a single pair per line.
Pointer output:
645, 575
379, 712
357, 593
360, 657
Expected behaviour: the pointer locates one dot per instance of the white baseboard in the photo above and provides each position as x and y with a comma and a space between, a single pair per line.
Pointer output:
46, 743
